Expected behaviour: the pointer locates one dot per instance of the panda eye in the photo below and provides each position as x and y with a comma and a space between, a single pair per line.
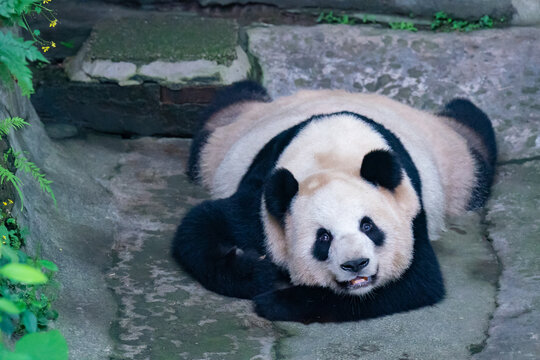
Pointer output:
366, 225
323, 235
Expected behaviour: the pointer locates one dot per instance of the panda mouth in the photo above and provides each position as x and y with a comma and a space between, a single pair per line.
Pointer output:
358, 282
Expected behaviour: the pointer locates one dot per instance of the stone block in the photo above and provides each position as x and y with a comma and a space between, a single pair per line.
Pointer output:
170, 49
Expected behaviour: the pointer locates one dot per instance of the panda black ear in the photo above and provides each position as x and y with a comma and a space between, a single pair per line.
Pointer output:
382, 168
279, 191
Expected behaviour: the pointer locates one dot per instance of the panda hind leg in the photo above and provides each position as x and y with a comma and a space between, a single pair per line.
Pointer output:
205, 246
469, 115
238, 92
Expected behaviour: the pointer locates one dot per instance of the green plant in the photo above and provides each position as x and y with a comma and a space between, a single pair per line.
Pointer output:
25, 291
330, 18
15, 53
26, 298
369, 19
403, 25
443, 22
21, 162
50, 345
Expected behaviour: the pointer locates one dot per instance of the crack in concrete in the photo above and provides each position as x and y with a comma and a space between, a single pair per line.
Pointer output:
478, 348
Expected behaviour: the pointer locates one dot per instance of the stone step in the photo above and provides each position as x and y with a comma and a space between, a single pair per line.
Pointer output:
143, 74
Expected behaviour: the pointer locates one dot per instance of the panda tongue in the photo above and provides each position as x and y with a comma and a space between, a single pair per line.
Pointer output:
357, 280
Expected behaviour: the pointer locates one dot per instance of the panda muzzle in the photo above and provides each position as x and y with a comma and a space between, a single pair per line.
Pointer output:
358, 282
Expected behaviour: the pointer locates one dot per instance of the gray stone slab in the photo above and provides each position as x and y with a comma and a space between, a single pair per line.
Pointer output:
499, 70
514, 228
453, 329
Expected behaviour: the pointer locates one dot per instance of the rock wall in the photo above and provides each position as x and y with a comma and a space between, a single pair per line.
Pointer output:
76, 235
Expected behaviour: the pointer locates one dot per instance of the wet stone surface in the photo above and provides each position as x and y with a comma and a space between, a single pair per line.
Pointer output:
163, 314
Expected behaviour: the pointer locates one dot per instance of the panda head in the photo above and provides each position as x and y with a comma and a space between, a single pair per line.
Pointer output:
350, 231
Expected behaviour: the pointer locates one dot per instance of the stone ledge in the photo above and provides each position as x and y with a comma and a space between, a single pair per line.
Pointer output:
170, 49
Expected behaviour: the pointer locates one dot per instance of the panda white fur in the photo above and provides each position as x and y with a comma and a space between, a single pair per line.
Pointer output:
323, 197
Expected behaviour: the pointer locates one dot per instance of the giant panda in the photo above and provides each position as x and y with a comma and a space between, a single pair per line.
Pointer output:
324, 202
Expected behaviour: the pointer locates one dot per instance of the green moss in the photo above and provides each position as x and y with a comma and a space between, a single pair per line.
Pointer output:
164, 37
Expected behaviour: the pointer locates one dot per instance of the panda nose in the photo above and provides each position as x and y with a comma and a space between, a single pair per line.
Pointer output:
355, 265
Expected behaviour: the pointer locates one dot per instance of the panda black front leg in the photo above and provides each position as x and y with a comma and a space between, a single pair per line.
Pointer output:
315, 304
300, 304
210, 251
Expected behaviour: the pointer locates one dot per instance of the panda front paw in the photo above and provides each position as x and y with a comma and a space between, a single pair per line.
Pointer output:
287, 305
270, 306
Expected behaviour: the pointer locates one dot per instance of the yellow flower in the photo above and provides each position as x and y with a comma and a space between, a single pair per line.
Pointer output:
4, 237
3, 242
10, 201
53, 44
45, 48
53, 23
5, 203
46, 1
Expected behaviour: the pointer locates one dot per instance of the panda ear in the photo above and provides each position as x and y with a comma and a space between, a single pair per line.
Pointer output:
279, 191
381, 168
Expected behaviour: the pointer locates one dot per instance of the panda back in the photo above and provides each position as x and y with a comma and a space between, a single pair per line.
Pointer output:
440, 154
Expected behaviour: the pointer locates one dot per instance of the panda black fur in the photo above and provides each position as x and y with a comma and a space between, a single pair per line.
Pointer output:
307, 229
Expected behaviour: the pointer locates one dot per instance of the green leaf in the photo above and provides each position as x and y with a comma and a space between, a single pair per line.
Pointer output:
49, 345
37, 32
29, 321
8, 306
10, 123
5, 77
8, 252
5, 174
15, 54
49, 265
5, 355
22, 163
6, 325
23, 273
69, 44
3, 232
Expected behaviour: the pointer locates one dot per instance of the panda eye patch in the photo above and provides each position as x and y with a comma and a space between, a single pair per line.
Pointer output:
323, 235
322, 244
368, 227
